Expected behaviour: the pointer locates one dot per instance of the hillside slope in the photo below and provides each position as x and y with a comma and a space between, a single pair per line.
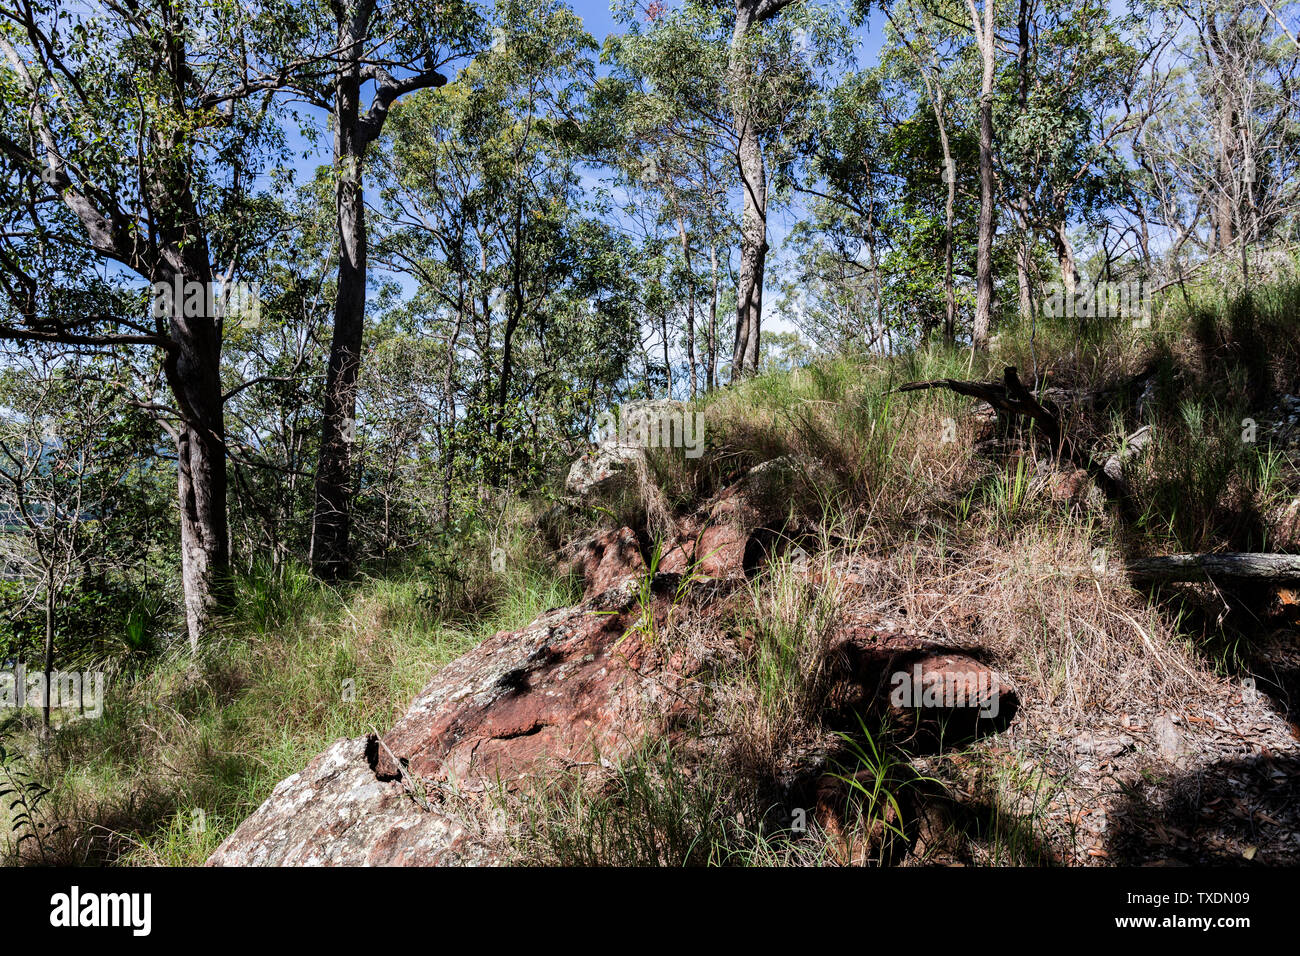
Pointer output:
712, 659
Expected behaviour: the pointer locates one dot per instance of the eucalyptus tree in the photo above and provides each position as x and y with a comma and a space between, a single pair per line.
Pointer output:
873, 254
517, 276
763, 97
1066, 101
982, 25
674, 149
747, 78
132, 135
389, 49
925, 36
1223, 151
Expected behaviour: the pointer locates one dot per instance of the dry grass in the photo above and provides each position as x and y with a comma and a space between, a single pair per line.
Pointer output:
943, 519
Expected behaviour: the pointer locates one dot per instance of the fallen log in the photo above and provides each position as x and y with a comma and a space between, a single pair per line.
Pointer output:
1265, 568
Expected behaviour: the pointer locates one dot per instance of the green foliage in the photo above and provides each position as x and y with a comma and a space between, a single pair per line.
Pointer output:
652, 811
23, 794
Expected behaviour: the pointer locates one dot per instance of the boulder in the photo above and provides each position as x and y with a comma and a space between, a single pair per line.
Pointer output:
734, 530
577, 688
335, 812
938, 694
603, 469
620, 449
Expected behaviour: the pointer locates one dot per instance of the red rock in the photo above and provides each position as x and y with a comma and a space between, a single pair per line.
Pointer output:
608, 560
1069, 486
736, 525
923, 684
857, 833
576, 687
576, 684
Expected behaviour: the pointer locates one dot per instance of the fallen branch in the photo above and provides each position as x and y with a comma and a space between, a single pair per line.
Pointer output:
1009, 396
1265, 568
1013, 398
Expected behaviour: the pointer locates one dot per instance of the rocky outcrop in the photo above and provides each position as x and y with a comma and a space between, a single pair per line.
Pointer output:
744, 523
579, 687
621, 448
603, 469
336, 812
725, 537
607, 560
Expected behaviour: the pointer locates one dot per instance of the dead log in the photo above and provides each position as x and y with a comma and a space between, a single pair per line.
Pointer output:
1265, 568
1011, 397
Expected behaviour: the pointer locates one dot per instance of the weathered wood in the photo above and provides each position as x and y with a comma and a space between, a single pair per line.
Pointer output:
1011, 397
1267, 568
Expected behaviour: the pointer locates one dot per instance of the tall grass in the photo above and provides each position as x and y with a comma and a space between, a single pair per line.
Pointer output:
945, 533
186, 751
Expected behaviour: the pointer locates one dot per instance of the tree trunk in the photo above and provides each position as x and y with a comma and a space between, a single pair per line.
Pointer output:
1224, 142
1274, 568
331, 524
1023, 283
1065, 256
950, 174
194, 374
753, 255
331, 527
49, 652
712, 371
753, 229
201, 488
984, 248
690, 303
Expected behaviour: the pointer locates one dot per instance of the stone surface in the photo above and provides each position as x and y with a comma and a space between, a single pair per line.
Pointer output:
1168, 738
578, 687
740, 525
1069, 485
620, 450
941, 694
603, 469
335, 812
608, 560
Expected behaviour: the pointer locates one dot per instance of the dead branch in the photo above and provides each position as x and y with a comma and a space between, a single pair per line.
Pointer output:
1265, 568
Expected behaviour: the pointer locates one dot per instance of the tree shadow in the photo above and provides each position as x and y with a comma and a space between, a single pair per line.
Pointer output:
1237, 812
